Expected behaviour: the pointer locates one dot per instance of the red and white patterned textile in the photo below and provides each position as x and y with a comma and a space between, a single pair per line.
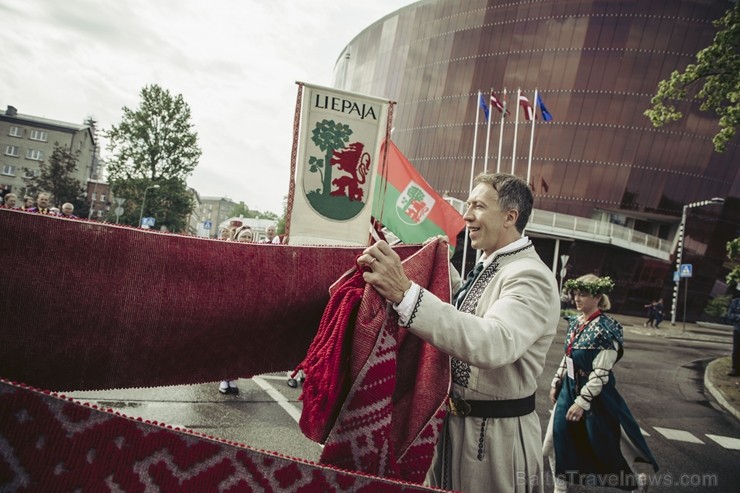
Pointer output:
90, 306
52, 443
375, 393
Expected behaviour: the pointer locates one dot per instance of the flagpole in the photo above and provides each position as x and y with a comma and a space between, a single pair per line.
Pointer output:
516, 127
501, 134
531, 138
488, 134
472, 172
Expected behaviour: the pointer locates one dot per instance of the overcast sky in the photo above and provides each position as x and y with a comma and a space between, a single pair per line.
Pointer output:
234, 62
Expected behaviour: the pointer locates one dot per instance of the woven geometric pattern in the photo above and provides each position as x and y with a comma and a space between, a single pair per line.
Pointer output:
90, 306
49, 443
391, 416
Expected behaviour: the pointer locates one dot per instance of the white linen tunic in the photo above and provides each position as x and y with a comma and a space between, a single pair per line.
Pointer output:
498, 350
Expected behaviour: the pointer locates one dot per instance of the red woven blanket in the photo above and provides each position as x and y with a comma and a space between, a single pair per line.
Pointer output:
91, 306
88, 306
374, 392
50, 443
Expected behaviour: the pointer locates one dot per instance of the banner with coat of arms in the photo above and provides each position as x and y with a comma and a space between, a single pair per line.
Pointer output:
339, 147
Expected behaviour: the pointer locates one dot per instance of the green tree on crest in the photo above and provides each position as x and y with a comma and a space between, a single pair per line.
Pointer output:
413, 194
328, 136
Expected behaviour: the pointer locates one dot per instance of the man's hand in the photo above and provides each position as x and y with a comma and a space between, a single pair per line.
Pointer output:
553, 395
387, 275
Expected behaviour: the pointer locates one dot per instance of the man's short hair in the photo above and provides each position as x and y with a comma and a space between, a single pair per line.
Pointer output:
513, 193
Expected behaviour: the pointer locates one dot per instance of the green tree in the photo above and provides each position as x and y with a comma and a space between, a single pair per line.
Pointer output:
240, 209
717, 69
154, 145
328, 136
56, 177
717, 307
414, 193
733, 253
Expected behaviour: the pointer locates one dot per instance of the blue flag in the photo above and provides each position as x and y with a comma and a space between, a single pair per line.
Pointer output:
546, 115
483, 105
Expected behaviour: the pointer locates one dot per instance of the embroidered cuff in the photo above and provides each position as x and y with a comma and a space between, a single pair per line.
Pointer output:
407, 305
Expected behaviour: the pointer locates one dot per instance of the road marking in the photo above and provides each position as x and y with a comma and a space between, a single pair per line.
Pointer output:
644, 433
282, 401
726, 442
680, 435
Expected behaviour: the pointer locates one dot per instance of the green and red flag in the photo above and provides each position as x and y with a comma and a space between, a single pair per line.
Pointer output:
408, 206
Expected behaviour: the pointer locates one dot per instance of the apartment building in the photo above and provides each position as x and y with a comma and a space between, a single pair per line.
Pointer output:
27, 141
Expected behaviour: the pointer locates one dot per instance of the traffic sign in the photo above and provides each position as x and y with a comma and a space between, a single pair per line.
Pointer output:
676, 277
119, 200
118, 210
207, 224
686, 270
147, 221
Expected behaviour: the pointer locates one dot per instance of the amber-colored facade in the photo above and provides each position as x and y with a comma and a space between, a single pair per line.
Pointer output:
596, 65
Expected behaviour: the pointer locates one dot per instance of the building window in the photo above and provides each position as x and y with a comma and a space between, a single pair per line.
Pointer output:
8, 169
102, 197
12, 151
94, 196
35, 155
100, 213
16, 132
30, 173
39, 135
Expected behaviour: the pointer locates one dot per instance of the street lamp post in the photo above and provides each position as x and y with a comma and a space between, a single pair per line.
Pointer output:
679, 251
143, 201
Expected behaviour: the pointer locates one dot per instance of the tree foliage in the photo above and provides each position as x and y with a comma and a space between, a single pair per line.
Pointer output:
733, 253
165, 204
154, 144
56, 177
717, 69
328, 136
243, 210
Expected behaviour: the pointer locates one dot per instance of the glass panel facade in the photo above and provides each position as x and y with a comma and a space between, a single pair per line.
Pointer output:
596, 63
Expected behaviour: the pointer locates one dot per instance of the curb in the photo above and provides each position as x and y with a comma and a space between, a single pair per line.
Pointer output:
716, 394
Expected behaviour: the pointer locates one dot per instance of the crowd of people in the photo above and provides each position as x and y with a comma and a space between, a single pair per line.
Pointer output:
42, 205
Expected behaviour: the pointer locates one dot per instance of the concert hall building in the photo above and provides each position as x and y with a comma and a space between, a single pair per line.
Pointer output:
609, 187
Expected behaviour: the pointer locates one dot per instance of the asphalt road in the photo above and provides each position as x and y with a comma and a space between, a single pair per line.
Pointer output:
695, 442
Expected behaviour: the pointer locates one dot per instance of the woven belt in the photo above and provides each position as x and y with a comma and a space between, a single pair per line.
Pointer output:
491, 409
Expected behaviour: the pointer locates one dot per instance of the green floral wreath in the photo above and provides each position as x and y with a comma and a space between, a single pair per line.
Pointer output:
602, 285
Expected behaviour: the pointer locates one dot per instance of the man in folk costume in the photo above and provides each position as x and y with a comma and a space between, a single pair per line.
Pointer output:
497, 330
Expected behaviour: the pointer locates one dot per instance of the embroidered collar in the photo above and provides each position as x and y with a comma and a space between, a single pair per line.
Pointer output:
511, 247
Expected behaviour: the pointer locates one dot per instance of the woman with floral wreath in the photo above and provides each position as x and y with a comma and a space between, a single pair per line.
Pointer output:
592, 437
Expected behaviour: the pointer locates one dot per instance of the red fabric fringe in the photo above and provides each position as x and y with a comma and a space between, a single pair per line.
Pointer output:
374, 393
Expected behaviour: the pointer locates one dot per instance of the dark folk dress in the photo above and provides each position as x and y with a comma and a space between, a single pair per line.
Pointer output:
588, 450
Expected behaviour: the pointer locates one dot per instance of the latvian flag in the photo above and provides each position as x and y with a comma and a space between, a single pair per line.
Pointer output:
528, 110
498, 104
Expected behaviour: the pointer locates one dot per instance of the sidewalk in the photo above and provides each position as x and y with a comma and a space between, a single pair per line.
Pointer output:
724, 389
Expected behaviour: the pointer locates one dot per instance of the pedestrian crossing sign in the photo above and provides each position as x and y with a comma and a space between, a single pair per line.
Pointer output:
686, 270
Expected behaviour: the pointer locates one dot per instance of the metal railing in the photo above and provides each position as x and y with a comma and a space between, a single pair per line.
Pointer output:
581, 228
